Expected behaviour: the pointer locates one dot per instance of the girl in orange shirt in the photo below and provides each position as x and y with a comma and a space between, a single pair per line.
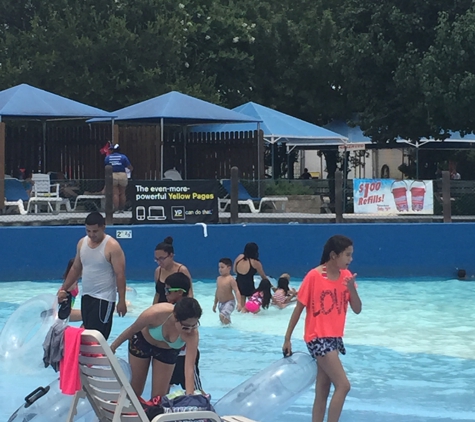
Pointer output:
325, 294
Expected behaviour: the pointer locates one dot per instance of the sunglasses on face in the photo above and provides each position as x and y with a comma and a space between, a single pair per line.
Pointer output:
169, 290
161, 258
189, 327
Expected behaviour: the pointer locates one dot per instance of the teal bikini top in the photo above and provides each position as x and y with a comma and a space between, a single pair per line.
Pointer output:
157, 334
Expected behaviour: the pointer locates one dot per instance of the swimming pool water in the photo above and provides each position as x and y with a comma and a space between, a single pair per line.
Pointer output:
410, 353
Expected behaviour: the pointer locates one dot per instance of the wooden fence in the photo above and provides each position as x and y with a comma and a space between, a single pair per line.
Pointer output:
73, 149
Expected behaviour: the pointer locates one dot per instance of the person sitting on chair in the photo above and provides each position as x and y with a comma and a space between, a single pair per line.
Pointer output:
305, 175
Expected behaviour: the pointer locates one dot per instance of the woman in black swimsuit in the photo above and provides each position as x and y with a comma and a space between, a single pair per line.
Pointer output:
246, 265
164, 257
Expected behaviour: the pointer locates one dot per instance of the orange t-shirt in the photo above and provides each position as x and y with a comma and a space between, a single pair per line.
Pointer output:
326, 303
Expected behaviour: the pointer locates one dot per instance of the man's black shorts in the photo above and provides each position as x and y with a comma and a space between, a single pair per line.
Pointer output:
97, 314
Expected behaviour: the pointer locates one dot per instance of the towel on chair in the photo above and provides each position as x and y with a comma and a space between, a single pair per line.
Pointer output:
69, 379
53, 346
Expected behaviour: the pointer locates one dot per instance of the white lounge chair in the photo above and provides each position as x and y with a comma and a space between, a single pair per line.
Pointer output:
108, 389
244, 198
43, 192
89, 197
15, 195
172, 174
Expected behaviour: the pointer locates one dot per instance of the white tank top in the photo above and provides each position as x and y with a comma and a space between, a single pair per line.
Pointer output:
98, 278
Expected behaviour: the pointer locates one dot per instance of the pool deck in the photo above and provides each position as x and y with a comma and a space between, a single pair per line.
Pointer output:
77, 218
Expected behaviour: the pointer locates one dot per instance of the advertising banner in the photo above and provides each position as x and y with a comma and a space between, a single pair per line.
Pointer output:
389, 196
175, 202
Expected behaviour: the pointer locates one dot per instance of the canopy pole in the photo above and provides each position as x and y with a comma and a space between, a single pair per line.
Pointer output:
44, 147
345, 179
288, 161
112, 132
417, 160
185, 172
259, 160
161, 148
272, 145
2, 164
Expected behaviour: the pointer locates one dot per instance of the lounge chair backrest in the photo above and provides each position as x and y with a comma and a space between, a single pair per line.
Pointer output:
14, 190
105, 383
243, 194
42, 186
172, 174
109, 391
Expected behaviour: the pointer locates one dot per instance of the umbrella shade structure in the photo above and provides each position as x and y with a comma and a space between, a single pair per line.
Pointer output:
454, 141
179, 109
175, 108
27, 102
280, 127
354, 134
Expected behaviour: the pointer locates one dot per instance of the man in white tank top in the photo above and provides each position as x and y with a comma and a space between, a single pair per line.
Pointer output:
101, 261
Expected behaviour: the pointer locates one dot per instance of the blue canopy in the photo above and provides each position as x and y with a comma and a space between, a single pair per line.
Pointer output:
279, 127
25, 101
177, 108
354, 134
455, 141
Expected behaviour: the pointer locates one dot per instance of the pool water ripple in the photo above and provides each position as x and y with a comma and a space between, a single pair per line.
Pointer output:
409, 353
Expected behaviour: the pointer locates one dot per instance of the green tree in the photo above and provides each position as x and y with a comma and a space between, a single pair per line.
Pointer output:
389, 54
113, 54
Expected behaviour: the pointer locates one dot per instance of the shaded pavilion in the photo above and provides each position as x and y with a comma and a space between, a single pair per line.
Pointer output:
27, 103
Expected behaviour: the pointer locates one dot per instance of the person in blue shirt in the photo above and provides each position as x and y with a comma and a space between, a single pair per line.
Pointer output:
120, 163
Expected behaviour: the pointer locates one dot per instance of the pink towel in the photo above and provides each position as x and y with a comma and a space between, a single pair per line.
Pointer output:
69, 379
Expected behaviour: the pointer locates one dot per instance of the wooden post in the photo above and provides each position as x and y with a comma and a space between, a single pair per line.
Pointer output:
446, 202
234, 195
115, 141
2, 165
261, 163
158, 153
108, 190
339, 196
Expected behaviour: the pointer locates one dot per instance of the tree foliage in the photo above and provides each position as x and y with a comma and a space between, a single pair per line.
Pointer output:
405, 69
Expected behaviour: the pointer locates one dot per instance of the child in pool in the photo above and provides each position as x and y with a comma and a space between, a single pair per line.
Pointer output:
283, 294
227, 292
325, 293
261, 297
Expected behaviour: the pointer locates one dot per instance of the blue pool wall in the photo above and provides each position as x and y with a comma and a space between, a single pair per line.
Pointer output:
381, 250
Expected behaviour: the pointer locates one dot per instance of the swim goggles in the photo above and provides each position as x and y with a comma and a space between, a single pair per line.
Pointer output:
169, 290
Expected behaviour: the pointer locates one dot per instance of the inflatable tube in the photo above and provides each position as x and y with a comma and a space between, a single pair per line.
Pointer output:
49, 404
26, 329
271, 391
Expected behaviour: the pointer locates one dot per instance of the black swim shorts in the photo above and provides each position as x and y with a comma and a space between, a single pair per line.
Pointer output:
141, 348
322, 346
97, 314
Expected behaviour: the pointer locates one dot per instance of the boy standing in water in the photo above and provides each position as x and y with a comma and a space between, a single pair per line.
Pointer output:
224, 297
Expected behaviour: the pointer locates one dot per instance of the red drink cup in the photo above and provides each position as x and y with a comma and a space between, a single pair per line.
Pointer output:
400, 198
417, 194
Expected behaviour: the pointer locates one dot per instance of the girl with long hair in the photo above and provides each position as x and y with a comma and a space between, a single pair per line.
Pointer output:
325, 294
